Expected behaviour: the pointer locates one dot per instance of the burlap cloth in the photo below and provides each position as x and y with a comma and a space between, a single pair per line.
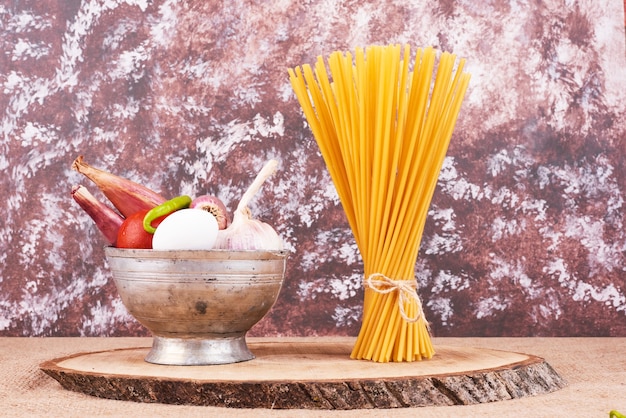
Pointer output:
594, 368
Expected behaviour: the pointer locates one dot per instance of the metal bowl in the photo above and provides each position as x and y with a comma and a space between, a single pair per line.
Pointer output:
198, 305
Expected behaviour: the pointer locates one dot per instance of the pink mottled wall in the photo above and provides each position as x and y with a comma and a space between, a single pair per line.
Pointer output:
526, 232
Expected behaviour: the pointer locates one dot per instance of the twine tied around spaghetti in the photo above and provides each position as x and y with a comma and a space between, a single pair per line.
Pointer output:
407, 292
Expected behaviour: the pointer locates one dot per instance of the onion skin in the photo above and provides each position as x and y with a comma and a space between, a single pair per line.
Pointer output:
215, 207
107, 220
127, 196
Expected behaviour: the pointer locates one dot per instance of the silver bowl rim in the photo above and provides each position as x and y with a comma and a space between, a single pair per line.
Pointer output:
196, 254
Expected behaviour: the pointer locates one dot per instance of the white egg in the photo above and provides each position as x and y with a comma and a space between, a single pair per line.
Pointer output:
186, 229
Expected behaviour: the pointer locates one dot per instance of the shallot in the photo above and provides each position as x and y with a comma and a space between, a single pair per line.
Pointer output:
107, 220
126, 195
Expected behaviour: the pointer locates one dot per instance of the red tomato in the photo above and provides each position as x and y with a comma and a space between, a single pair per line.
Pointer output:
132, 235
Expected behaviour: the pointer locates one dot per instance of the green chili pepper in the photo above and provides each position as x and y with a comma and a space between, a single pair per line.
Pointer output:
165, 208
615, 414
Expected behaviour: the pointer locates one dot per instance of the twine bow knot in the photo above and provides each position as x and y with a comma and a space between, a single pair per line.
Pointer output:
407, 292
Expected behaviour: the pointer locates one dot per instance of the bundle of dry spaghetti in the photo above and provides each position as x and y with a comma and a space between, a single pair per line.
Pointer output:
383, 123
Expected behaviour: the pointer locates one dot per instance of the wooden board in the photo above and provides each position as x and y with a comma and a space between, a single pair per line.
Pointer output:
310, 374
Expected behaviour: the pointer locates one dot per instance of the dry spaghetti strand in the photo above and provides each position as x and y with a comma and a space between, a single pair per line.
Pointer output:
383, 125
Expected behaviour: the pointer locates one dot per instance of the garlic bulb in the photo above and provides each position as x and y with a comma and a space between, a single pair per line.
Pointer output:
244, 232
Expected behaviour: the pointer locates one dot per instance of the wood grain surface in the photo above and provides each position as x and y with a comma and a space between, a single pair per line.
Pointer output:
309, 375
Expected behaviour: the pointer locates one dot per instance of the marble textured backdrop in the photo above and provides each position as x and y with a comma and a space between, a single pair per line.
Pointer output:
526, 232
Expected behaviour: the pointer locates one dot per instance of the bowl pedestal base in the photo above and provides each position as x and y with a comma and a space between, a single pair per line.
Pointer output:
198, 351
